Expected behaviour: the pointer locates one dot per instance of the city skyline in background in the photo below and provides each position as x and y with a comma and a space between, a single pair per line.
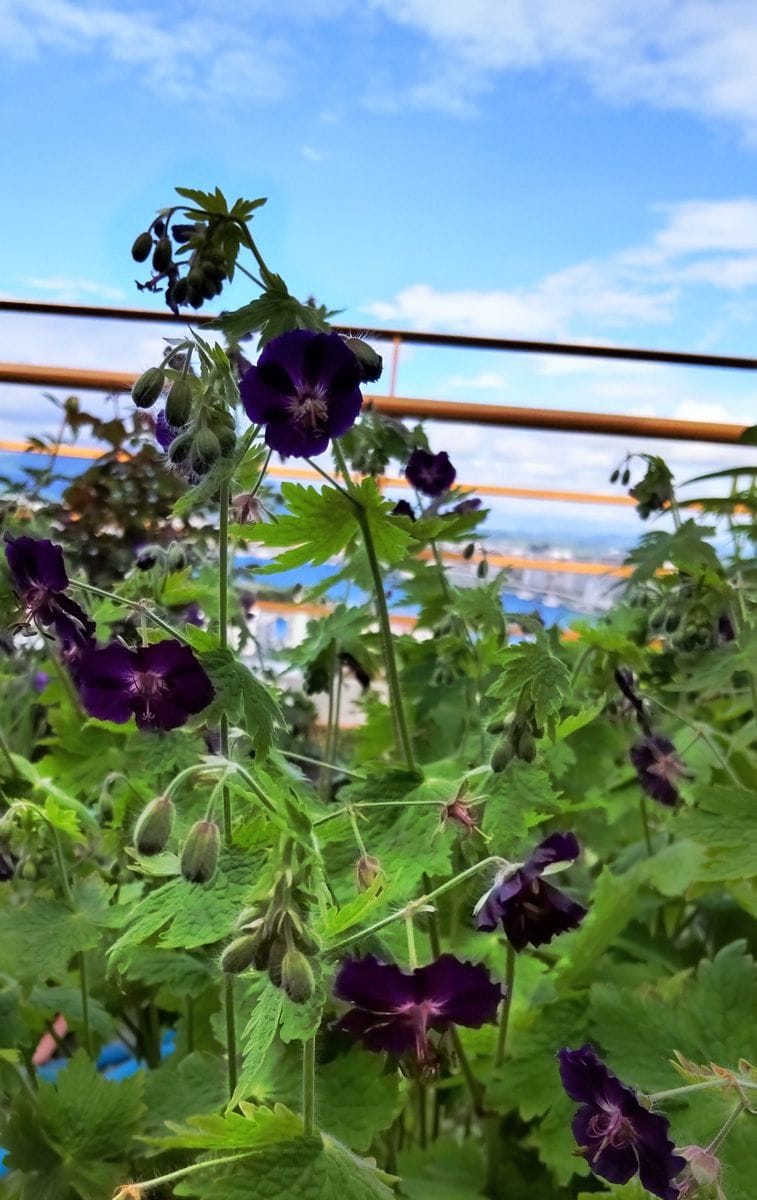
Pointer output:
550, 171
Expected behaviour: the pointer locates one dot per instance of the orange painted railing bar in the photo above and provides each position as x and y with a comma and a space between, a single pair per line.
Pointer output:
561, 421
309, 475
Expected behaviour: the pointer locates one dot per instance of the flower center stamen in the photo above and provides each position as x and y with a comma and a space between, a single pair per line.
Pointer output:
612, 1129
308, 407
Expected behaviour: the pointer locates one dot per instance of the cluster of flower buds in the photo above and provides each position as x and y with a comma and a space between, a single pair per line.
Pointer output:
200, 273
654, 492
201, 850
193, 426
273, 937
519, 733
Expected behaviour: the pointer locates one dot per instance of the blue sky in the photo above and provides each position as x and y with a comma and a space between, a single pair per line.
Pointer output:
547, 168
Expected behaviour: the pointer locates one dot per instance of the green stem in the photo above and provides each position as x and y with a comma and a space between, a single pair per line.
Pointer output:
6, 753
68, 896
708, 1085
358, 835
68, 687
228, 833
192, 1169
705, 736
504, 1015
645, 825
84, 984
473, 1085
135, 605
412, 954
420, 1096
319, 762
390, 661
323, 785
308, 1087
722, 1133
414, 905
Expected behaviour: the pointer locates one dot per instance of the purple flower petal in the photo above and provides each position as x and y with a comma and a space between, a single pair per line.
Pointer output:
531, 911
458, 992
305, 389
431, 474
377, 1031
36, 565
374, 986
659, 768
161, 685
617, 1134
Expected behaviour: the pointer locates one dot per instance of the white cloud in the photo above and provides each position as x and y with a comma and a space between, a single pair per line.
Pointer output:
177, 54
693, 55
312, 154
66, 290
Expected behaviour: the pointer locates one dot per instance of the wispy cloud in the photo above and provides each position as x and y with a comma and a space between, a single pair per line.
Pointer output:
699, 243
693, 55
64, 289
180, 55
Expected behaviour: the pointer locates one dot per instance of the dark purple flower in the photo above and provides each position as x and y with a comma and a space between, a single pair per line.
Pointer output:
305, 389
618, 1136
531, 911
165, 434
725, 631
40, 681
161, 685
659, 768
393, 1010
39, 577
431, 474
403, 509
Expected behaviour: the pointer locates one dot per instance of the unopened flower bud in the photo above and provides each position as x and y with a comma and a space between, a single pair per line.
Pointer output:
146, 559
615, 475
367, 871
239, 955
199, 858
148, 387
140, 251
178, 407
153, 829
161, 259
182, 233
206, 450
482, 570
176, 557
179, 291
297, 979
526, 746
502, 756
469, 551
626, 479
371, 364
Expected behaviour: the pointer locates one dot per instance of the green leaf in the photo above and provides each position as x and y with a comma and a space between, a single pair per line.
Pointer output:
257, 1038
186, 915
179, 1089
75, 1133
612, 906
535, 676
243, 698
724, 825
252, 1128
686, 548
42, 937
516, 800
446, 1171
305, 1169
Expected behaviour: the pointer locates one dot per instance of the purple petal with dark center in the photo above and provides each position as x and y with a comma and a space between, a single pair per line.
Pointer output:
158, 712
431, 474
36, 563
105, 679
293, 442
375, 986
392, 1033
460, 992
648, 754
617, 1164
584, 1076
539, 913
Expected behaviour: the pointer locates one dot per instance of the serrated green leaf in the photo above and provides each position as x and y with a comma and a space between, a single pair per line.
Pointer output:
75, 1133
257, 1038
243, 698
183, 1088
532, 673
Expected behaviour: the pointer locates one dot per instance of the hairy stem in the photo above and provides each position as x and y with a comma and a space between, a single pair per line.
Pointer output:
228, 833
308, 1087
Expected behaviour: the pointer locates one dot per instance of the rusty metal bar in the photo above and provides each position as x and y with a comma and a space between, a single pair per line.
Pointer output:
460, 341
558, 420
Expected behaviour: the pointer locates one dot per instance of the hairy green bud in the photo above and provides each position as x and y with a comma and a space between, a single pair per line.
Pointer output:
206, 450
179, 403
162, 255
371, 364
297, 979
503, 755
140, 251
153, 828
239, 955
199, 858
148, 387
469, 551
526, 746
482, 570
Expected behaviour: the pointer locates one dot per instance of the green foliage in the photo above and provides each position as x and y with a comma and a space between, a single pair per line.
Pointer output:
532, 676
242, 697
72, 1137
